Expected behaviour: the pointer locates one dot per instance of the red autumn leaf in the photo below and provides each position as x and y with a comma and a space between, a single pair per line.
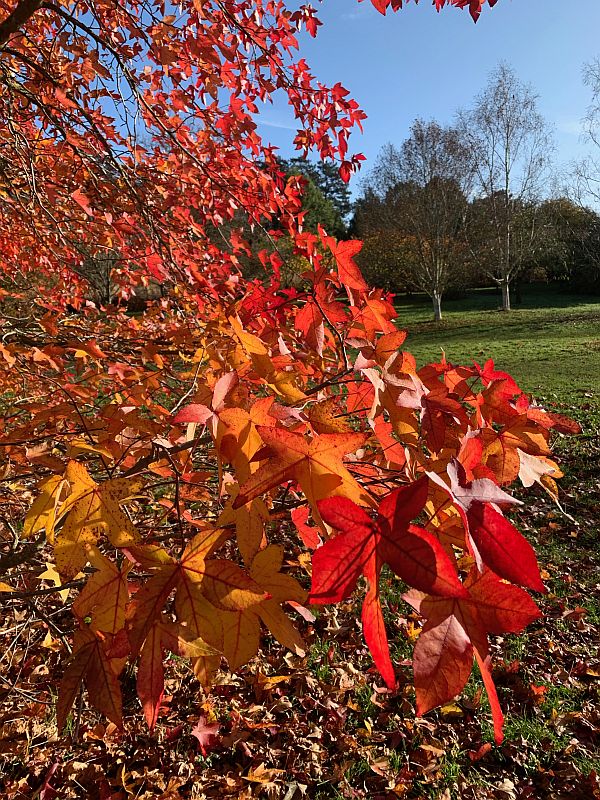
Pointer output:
308, 533
148, 603
309, 321
381, 5
150, 677
503, 548
165, 635
364, 545
195, 412
475, 6
207, 735
495, 540
48, 792
391, 448
374, 314
82, 200
387, 345
456, 630
550, 420
348, 270
201, 413
443, 416
376, 635
488, 374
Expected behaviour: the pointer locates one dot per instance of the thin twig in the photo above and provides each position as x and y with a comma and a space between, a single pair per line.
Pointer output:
189, 392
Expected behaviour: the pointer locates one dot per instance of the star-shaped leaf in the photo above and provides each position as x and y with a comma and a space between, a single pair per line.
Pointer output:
93, 510
364, 545
456, 629
316, 464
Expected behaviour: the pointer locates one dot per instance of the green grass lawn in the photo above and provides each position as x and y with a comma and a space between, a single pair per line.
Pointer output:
550, 343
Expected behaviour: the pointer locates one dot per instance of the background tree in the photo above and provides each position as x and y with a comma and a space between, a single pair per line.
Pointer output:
509, 144
486, 216
326, 199
382, 260
570, 244
585, 184
422, 190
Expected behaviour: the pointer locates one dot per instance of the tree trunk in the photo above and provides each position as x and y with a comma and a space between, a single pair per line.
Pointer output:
437, 306
505, 295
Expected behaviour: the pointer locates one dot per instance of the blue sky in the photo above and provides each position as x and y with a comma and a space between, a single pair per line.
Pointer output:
418, 63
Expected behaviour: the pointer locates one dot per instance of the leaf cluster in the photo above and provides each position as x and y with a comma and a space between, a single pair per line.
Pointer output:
188, 463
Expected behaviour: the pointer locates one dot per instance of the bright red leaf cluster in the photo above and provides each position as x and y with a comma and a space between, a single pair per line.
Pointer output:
131, 133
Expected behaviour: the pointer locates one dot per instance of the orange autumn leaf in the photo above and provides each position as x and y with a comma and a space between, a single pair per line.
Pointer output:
316, 464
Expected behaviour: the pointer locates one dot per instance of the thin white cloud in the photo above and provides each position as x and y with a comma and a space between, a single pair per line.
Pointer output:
574, 127
360, 12
284, 126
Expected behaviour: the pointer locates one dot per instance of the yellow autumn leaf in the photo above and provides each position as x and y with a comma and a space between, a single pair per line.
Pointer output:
50, 643
50, 574
42, 514
249, 521
282, 588
95, 512
282, 383
78, 446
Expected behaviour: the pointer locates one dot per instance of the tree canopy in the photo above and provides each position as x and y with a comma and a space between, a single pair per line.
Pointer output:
422, 189
133, 127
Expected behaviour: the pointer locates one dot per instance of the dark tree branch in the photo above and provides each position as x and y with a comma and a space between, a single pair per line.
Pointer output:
22, 13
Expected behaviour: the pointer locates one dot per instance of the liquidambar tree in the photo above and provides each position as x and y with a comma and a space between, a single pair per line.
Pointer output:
170, 468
